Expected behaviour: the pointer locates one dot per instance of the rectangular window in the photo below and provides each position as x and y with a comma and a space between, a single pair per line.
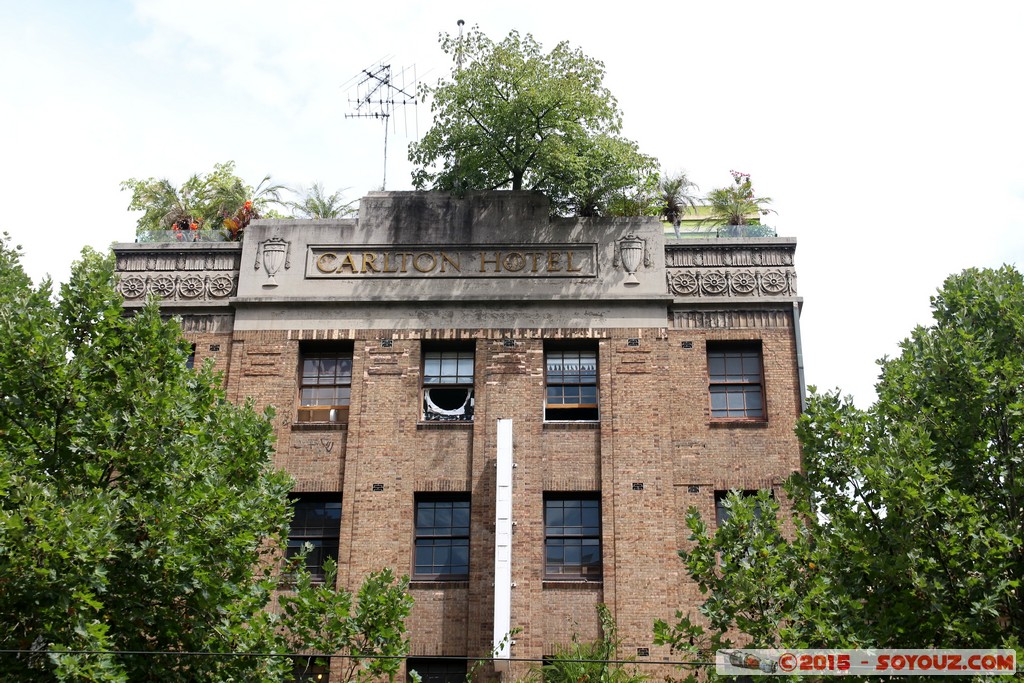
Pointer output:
571, 379
722, 511
316, 525
442, 537
734, 376
572, 536
190, 362
437, 669
448, 383
325, 386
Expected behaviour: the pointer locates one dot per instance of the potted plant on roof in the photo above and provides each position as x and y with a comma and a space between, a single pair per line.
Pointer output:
206, 206
737, 209
675, 198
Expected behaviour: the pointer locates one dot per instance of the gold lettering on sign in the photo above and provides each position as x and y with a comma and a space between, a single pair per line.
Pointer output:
554, 261
447, 260
535, 254
496, 261
514, 262
370, 262
347, 261
325, 262
568, 265
419, 256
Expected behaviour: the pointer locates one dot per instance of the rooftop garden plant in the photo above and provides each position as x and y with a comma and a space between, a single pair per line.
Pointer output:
737, 205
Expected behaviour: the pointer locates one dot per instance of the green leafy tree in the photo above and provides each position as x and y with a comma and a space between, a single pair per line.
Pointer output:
314, 202
588, 661
369, 633
613, 179
737, 204
118, 466
512, 116
213, 201
139, 511
907, 526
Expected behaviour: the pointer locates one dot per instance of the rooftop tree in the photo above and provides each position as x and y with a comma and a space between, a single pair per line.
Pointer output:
512, 116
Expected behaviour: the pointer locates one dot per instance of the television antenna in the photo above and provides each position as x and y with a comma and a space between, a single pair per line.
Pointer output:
377, 93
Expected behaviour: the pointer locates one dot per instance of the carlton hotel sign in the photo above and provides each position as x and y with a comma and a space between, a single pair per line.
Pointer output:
453, 261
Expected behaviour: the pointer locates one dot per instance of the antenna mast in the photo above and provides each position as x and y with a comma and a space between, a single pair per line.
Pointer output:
458, 52
376, 95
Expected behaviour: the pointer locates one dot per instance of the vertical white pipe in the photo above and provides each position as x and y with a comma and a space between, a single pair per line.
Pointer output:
503, 548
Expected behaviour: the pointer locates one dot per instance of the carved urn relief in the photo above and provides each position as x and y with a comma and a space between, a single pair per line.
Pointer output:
274, 253
631, 252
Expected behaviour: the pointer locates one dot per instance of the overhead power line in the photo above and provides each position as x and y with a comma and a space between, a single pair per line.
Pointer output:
180, 653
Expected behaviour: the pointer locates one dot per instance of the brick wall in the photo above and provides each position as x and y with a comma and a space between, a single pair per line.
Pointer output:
655, 452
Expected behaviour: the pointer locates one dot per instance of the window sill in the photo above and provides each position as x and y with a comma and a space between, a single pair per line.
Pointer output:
319, 426
571, 583
426, 584
738, 422
444, 424
572, 424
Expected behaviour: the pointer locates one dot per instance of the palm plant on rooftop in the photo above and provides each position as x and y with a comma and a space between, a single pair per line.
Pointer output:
737, 205
213, 201
675, 196
164, 206
316, 203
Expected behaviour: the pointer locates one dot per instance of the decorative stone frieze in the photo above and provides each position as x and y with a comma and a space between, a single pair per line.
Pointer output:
704, 255
203, 287
185, 273
724, 268
737, 320
721, 282
185, 257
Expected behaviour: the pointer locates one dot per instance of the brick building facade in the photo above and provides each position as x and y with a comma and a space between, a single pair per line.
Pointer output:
439, 351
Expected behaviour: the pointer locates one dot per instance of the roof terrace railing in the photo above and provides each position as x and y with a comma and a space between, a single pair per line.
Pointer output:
172, 236
711, 231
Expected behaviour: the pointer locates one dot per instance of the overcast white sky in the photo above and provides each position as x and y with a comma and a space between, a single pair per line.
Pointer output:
888, 133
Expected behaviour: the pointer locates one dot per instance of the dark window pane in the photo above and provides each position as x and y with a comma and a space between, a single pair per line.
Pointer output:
736, 401
571, 378
447, 402
442, 538
722, 510
554, 514
572, 544
735, 382
316, 524
754, 400
460, 514
448, 367
326, 381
